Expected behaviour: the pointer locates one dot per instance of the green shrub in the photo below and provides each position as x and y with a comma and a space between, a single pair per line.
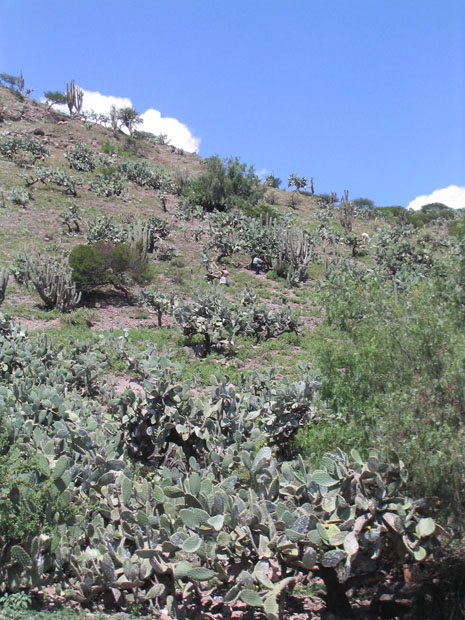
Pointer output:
88, 267
108, 148
364, 204
107, 263
457, 229
16, 601
279, 271
438, 210
417, 219
392, 364
389, 212
261, 211
316, 440
123, 258
434, 212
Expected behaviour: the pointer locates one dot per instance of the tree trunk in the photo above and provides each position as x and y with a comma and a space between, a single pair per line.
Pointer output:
336, 598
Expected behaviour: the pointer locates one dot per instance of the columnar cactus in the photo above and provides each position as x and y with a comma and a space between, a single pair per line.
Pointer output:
346, 213
74, 97
297, 252
4, 276
52, 279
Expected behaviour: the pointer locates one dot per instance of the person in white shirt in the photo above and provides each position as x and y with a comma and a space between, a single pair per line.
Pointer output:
256, 264
224, 277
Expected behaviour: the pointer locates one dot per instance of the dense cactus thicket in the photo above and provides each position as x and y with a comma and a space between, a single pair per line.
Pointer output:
218, 511
146, 231
211, 315
279, 243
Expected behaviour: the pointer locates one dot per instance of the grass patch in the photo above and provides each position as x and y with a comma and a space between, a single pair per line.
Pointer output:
26, 311
318, 439
61, 335
162, 337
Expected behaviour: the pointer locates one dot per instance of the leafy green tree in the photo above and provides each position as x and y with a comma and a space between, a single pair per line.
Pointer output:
55, 97
7, 80
129, 118
15, 83
224, 185
363, 203
438, 210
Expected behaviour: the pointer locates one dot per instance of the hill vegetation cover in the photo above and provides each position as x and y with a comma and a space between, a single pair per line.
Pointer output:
190, 434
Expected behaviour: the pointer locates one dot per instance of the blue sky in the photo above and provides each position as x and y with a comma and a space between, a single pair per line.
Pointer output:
364, 95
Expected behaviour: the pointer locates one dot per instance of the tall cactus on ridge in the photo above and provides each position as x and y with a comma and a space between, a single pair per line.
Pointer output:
346, 213
74, 97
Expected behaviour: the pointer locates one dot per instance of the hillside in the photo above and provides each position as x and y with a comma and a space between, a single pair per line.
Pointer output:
190, 449
38, 225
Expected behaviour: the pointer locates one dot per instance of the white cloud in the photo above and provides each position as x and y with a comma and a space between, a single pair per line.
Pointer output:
102, 103
452, 196
178, 134
153, 122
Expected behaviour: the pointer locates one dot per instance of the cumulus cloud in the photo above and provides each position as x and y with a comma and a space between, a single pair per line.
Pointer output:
452, 196
178, 133
102, 103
